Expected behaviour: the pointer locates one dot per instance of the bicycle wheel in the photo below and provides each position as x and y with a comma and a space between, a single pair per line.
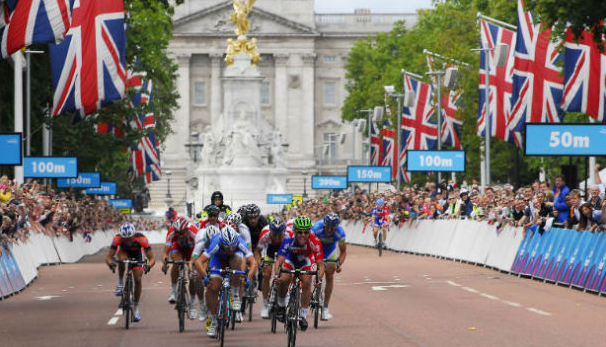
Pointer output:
224, 314
181, 305
232, 319
250, 310
380, 243
127, 308
274, 319
293, 314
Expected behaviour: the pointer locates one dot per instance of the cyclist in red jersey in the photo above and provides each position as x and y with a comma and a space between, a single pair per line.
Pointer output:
129, 244
180, 242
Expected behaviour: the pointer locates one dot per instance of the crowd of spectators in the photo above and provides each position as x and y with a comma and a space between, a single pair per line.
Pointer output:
540, 205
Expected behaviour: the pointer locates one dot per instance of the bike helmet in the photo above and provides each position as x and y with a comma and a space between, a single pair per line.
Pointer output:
127, 230
211, 230
380, 202
216, 195
229, 237
253, 210
302, 223
463, 192
213, 210
171, 214
331, 220
242, 210
180, 223
234, 218
277, 226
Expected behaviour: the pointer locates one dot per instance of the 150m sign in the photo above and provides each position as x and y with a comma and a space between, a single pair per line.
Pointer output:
568, 139
369, 174
50, 167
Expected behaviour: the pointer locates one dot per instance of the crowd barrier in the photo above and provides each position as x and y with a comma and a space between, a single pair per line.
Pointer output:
19, 264
561, 256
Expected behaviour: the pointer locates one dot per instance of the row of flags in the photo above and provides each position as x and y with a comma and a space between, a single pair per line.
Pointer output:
87, 44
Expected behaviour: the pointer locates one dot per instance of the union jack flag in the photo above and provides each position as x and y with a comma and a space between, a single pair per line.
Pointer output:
451, 124
25, 22
88, 68
499, 97
403, 156
584, 77
389, 148
108, 128
537, 86
376, 146
416, 120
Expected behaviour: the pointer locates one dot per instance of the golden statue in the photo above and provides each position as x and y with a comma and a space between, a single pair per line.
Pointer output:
241, 44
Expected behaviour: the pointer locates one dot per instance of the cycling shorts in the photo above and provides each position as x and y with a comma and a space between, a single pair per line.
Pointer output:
137, 255
221, 261
380, 222
295, 262
185, 252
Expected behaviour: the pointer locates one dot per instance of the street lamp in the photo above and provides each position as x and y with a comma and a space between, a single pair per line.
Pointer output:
169, 197
28, 106
391, 91
304, 173
194, 146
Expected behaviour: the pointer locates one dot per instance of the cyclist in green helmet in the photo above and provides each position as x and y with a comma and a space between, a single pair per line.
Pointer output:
299, 252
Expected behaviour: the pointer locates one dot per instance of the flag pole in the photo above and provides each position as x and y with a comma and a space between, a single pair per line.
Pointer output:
18, 108
497, 22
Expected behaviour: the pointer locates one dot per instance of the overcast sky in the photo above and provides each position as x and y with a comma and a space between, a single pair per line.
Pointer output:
376, 6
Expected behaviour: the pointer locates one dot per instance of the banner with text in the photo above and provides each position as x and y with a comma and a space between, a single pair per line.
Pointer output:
50, 167
10, 147
84, 180
435, 161
328, 182
106, 188
369, 174
565, 139
279, 199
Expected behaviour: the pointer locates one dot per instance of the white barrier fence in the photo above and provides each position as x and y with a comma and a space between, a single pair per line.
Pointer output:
471, 241
41, 249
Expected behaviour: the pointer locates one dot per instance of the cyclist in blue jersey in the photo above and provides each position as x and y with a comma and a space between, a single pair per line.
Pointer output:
330, 234
380, 215
226, 248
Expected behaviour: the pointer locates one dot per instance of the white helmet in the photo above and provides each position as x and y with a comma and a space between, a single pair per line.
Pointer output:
127, 230
229, 237
211, 230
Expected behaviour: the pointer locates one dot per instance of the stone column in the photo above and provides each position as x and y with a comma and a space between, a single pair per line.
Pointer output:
175, 143
281, 93
307, 128
216, 106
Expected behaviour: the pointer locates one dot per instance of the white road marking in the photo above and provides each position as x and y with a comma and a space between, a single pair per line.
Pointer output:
113, 321
491, 297
428, 278
511, 303
370, 282
471, 290
537, 311
119, 312
47, 297
453, 283
391, 286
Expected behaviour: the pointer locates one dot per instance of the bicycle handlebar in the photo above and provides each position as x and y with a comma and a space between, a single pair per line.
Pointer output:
299, 272
228, 271
180, 262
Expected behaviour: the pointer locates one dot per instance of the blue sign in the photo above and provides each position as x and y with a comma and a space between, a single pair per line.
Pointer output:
435, 161
369, 174
121, 203
328, 182
106, 188
84, 180
50, 167
284, 199
10, 147
565, 139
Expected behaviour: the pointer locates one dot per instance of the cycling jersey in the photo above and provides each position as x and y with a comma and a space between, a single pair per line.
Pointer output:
134, 246
243, 230
219, 258
301, 256
185, 244
268, 245
205, 222
380, 215
255, 230
329, 242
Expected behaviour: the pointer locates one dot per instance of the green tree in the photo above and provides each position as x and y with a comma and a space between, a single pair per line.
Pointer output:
149, 30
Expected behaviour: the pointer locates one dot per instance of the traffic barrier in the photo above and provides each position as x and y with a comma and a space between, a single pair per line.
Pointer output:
464, 240
19, 267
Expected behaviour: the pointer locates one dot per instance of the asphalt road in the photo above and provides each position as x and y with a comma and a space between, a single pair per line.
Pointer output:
398, 299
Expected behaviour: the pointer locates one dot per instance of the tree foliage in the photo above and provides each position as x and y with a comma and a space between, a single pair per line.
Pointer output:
149, 30
451, 29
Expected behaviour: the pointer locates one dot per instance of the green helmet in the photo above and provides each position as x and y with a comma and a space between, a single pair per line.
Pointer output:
302, 223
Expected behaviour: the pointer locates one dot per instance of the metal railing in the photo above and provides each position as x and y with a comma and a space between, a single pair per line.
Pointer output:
371, 18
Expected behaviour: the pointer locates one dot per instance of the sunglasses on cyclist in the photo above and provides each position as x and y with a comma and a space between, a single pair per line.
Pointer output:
306, 232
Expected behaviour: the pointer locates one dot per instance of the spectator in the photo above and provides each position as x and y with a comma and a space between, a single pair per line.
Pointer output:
586, 221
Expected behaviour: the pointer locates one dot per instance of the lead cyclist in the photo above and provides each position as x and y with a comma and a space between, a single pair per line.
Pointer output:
380, 215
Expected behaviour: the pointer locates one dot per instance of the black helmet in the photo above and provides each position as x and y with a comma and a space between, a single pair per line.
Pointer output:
242, 210
213, 210
253, 210
216, 195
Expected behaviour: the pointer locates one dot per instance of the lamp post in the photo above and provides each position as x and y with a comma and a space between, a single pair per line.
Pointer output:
439, 75
194, 145
28, 96
390, 90
169, 197
304, 173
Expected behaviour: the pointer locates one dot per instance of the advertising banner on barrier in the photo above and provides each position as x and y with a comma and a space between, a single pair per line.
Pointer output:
6, 272
15, 273
581, 277
418, 160
597, 265
50, 167
5, 288
369, 174
565, 139
84, 180
106, 188
10, 147
328, 182
283, 199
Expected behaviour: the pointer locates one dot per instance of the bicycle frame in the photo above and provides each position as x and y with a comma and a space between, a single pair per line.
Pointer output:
128, 294
224, 310
294, 304
182, 303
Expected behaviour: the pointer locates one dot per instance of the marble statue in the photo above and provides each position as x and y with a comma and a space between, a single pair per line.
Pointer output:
209, 153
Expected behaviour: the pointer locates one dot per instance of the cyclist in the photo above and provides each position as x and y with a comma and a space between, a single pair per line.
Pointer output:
202, 242
235, 221
299, 252
330, 233
216, 199
129, 244
254, 222
380, 213
171, 214
226, 248
212, 218
180, 242
269, 242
